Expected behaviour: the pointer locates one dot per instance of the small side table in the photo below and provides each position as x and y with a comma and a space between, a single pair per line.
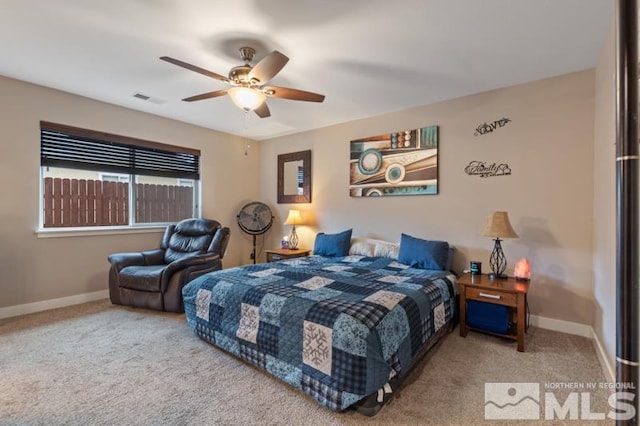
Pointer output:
502, 291
282, 254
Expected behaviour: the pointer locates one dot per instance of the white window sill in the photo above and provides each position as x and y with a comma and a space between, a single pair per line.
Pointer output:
91, 232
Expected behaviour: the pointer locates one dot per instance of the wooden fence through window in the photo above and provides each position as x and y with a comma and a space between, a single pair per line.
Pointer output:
163, 203
86, 202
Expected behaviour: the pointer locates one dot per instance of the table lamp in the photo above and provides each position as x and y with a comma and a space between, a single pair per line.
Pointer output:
498, 226
293, 219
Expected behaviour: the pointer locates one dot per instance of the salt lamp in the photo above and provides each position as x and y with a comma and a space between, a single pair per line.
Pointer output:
522, 271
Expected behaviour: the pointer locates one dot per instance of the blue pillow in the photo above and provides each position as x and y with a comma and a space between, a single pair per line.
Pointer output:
423, 254
332, 245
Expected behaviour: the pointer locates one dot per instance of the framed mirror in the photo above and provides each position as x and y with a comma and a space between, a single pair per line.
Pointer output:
294, 177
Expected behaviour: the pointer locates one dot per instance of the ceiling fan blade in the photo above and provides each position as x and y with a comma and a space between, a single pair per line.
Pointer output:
268, 67
294, 94
263, 110
195, 68
207, 95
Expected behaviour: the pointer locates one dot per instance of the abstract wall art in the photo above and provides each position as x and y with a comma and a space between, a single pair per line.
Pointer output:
403, 162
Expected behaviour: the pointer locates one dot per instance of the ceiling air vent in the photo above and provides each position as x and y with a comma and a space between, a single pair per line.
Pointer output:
148, 98
141, 96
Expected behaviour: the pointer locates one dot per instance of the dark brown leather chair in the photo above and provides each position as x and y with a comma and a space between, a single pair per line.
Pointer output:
154, 279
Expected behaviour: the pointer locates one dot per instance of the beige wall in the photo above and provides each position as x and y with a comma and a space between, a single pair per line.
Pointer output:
549, 196
604, 199
36, 269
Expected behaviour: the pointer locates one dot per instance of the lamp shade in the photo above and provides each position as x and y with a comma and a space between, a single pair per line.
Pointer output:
293, 218
498, 226
246, 98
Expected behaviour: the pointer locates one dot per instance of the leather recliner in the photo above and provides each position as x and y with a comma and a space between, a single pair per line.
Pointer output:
154, 279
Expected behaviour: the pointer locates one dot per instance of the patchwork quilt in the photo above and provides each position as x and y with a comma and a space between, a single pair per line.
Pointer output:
338, 329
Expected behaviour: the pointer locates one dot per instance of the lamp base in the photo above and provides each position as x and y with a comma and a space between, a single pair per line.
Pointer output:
293, 239
497, 261
494, 276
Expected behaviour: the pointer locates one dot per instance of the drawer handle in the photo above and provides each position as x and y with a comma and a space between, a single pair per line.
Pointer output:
490, 296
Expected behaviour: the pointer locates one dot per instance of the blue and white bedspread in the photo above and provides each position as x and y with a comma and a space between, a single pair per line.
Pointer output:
337, 329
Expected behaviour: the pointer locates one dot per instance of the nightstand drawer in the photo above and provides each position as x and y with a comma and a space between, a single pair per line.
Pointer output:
493, 296
282, 254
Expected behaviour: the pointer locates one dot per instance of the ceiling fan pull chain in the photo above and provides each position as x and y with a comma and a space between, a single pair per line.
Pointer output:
244, 132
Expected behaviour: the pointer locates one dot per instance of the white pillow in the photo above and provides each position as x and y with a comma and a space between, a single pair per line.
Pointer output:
387, 249
361, 247
373, 248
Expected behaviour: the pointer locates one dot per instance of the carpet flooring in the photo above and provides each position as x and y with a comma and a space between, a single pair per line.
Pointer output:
99, 364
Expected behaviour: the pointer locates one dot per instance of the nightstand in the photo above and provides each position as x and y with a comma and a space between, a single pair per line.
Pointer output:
282, 254
501, 291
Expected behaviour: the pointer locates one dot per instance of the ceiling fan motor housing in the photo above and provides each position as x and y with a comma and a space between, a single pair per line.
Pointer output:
240, 74
246, 53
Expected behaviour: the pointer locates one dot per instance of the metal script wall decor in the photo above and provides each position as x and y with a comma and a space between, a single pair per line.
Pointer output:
482, 169
485, 128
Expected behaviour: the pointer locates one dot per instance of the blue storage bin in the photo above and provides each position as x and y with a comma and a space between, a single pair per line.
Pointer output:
488, 316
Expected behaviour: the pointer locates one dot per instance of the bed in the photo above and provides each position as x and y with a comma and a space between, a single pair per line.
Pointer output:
339, 328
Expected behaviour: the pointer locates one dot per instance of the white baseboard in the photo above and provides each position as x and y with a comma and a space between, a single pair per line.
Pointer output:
578, 330
29, 308
562, 326
608, 368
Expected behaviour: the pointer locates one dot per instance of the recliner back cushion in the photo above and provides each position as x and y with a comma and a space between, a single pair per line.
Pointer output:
190, 238
220, 242
197, 227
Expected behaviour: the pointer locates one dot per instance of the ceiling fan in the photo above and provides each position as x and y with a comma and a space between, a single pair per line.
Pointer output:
249, 90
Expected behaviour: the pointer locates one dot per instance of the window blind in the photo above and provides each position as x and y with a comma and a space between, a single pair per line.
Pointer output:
71, 147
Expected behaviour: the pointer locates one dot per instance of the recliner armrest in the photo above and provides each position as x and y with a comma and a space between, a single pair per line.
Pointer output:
186, 262
143, 258
122, 260
154, 257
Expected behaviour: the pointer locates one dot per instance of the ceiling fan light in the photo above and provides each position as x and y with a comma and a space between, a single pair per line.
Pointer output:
246, 98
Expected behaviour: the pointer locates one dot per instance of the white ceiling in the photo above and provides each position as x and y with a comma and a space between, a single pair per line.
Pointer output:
368, 57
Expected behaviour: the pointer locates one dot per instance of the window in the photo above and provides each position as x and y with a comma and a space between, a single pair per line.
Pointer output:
185, 182
113, 177
300, 176
98, 179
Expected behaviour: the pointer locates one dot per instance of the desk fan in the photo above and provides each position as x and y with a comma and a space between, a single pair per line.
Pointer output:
255, 219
